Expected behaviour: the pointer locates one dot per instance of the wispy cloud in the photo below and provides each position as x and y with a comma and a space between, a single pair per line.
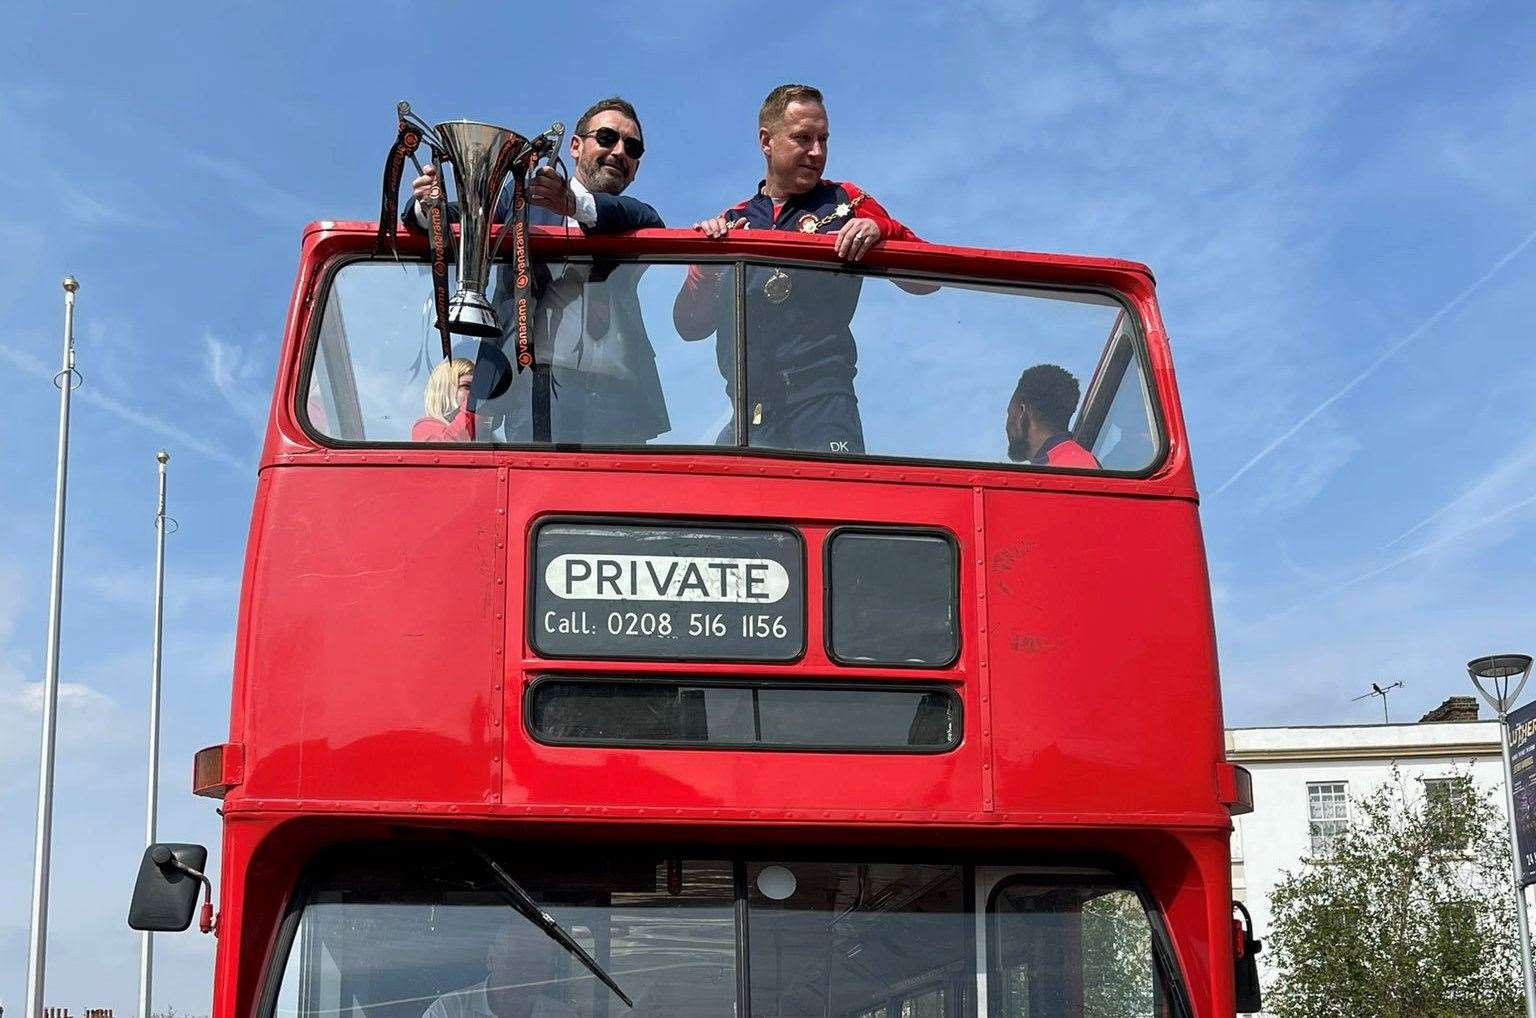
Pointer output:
1500, 495
1382, 358
234, 376
1488, 495
179, 436
255, 191
93, 210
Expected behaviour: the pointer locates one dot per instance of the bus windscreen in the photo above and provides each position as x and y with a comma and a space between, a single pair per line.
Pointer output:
393, 932
787, 358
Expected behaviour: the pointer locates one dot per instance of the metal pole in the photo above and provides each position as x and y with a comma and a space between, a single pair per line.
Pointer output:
37, 939
152, 799
1514, 848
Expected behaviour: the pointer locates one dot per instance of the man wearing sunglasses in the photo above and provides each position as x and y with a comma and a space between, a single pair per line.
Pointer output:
605, 151
801, 357
590, 344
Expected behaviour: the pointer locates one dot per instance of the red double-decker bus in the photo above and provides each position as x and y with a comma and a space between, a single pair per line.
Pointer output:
797, 639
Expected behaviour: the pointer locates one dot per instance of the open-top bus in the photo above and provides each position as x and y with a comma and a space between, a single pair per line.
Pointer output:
567, 714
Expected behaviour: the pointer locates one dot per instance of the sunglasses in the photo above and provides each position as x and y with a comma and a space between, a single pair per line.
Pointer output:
608, 137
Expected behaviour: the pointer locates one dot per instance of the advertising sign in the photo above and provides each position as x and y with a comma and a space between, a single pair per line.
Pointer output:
673, 592
1522, 765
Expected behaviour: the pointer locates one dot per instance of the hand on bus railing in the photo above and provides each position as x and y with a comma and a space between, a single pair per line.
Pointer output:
719, 227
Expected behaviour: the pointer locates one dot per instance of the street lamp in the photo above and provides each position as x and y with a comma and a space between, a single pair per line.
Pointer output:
1493, 677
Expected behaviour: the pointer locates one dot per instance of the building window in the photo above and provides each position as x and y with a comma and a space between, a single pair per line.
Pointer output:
1445, 802
1327, 814
1445, 793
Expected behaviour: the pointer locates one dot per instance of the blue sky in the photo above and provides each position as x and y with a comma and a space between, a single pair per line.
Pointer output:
1339, 202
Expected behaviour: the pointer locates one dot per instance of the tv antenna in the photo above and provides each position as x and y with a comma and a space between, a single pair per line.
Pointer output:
1381, 691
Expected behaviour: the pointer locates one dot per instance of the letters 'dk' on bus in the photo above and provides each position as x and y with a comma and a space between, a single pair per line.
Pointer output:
779, 642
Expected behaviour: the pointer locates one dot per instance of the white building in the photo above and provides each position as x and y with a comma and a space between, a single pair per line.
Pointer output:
1304, 780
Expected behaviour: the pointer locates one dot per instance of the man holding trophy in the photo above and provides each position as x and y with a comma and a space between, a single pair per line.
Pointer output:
590, 344
605, 149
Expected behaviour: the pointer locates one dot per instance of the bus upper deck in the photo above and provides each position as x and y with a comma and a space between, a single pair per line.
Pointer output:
765, 564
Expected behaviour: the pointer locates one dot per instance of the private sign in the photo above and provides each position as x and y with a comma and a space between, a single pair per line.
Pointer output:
666, 578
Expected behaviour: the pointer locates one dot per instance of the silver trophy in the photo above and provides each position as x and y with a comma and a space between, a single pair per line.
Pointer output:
483, 156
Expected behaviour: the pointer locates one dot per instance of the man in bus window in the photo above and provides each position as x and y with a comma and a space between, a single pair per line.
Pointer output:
1038, 415
522, 980
590, 332
800, 350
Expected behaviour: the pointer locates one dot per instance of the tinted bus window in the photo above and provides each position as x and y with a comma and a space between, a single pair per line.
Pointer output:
892, 599
866, 718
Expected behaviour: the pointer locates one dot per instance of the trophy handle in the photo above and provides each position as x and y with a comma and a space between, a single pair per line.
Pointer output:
552, 139
544, 146
403, 111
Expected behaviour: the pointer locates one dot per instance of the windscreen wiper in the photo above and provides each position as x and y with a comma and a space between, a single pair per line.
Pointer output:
523, 903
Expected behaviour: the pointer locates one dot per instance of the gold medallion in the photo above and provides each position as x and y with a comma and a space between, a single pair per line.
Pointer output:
809, 223
777, 286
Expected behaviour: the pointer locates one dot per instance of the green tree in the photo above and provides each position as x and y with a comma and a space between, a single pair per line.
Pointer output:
1407, 914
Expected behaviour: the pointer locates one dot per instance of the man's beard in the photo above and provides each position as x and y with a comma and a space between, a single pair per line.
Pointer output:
606, 180
1018, 449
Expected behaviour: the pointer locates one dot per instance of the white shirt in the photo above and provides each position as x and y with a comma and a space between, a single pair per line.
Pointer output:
586, 207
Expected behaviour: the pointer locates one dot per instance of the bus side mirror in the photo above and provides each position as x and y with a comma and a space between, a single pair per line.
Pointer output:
165, 893
1245, 963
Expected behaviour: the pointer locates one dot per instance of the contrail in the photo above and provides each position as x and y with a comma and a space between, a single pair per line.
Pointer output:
1420, 552
1387, 355
183, 439
1493, 477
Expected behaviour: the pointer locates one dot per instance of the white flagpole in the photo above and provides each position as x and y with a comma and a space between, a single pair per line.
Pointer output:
37, 939
152, 799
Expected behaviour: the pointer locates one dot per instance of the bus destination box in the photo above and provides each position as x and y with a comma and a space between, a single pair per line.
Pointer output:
644, 591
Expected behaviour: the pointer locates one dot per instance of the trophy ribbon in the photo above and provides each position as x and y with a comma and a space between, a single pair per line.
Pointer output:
412, 132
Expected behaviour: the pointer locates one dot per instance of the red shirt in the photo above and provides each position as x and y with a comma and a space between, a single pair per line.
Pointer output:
1061, 451
430, 429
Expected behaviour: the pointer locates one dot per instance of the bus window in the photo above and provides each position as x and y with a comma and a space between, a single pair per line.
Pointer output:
837, 364
847, 939
404, 930
613, 370
1065, 949
1116, 421
391, 937
743, 715
844, 364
